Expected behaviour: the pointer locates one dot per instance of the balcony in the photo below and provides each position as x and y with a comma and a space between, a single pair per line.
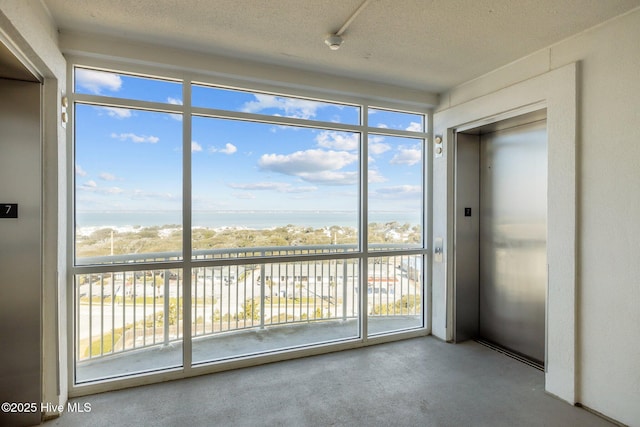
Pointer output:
130, 320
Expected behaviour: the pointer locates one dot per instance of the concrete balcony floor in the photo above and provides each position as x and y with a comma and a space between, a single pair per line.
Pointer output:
243, 342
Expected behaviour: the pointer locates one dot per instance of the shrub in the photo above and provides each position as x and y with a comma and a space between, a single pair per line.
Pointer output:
250, 309
408, 304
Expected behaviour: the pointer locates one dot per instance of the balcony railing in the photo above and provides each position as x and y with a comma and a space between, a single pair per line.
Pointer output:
120, 311
239, 253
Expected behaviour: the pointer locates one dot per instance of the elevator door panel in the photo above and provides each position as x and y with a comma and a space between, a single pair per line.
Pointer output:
20, 250
513, 272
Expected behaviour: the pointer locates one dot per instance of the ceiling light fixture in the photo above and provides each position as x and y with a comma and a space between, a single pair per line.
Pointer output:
335, 40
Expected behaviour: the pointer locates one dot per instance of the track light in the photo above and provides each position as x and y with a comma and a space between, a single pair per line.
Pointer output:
334, 41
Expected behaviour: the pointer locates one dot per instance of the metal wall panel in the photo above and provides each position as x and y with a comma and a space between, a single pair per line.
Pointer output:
467, 184
20, 251
513, 264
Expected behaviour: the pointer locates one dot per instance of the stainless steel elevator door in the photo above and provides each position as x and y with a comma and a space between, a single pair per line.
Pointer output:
513, 229
20, 251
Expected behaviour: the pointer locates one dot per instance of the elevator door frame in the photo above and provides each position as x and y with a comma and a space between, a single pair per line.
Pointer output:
466, 229
557, 91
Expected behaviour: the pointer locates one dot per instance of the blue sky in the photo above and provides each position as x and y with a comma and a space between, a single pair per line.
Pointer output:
132, 159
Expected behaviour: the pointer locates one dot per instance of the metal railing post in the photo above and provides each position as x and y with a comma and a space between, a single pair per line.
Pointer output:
166, 309
262, 294
90, 317
344, 290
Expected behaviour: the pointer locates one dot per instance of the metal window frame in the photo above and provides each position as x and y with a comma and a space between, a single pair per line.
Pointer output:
187, 264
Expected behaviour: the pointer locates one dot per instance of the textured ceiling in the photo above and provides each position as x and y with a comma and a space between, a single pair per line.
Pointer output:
429, 45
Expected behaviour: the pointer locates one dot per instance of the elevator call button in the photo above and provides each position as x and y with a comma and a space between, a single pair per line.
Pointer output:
8, 210
467, 211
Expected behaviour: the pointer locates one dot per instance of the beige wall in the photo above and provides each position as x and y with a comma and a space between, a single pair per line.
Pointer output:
29, 29
608, 203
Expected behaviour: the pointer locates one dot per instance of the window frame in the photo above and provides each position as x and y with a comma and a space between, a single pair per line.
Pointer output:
188, 263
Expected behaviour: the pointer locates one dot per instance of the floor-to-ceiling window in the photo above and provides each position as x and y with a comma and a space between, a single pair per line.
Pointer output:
212, 222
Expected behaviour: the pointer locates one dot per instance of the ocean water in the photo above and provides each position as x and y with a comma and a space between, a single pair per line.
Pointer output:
246, 219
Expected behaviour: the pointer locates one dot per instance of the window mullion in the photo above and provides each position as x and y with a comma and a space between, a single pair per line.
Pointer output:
135, 104
364, 221
186, 224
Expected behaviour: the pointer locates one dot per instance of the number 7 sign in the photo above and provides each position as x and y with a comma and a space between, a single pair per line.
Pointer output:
8, 210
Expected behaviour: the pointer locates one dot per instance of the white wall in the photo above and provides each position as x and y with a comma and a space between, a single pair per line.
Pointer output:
608, 203
29, 28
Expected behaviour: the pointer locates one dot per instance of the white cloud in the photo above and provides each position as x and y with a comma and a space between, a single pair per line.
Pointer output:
114, 190
92, 186
315, 166
378, 147
228, 149
400, 190
80, 171
281, 187
144, 195
338, 140
415, 127
195, 147
407, 156
277, 186
309, 189
118, 113
107, 176
305, 162
275, 129
407, 192
331, 177
245, 196
138, 139
97, 81
376, 177
296, 108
